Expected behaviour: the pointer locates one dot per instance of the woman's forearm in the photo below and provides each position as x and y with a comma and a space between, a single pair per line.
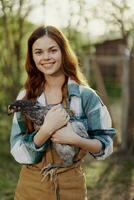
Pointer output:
90, 145
66, 135
41, 137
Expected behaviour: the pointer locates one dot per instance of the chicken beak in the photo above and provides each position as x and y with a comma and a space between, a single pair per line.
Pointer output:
9, 110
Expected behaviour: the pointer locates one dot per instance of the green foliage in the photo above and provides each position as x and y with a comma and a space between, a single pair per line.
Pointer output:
13, 36
12, 61
79, 41
113, 88
9, 170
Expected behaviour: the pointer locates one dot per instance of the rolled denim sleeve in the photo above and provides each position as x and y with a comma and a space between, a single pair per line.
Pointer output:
105, 137
99, 122
22, 145
23, 148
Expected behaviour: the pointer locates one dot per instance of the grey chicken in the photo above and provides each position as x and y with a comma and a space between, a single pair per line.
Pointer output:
36, 113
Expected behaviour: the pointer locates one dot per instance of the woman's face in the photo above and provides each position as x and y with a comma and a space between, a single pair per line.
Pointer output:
47, 55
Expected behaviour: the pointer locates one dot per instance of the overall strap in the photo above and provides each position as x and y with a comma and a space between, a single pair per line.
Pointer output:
75, 104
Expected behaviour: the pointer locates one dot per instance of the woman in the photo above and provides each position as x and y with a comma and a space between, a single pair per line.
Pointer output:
54, 77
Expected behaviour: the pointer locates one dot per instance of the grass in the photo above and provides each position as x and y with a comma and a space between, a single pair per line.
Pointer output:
111, 179
9, 171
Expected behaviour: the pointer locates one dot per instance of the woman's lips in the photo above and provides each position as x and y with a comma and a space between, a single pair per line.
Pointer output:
47, 64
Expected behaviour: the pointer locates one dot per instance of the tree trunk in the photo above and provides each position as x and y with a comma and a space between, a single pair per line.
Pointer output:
130, 118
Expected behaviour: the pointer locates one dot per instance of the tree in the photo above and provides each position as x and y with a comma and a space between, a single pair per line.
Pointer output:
14, 29
130, 114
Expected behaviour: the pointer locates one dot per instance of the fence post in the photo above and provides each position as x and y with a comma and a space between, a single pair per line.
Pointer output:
125, 102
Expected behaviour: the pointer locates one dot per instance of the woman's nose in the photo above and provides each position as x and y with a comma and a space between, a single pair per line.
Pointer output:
46, 55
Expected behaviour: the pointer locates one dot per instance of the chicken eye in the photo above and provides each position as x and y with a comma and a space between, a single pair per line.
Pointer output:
19, 108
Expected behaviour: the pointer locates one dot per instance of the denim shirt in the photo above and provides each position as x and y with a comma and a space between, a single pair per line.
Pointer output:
88, 108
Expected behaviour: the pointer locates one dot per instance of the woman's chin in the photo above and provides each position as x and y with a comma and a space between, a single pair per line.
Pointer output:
52, 72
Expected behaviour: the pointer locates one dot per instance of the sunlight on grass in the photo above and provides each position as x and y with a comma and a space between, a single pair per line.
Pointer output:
93, 173
111, 179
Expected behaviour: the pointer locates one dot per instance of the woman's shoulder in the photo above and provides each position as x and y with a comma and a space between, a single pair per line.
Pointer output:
87, 91
21, 94
89, 97
84, 91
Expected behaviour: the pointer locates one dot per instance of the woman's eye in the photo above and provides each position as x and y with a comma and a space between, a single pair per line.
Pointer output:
54, 50
38, 52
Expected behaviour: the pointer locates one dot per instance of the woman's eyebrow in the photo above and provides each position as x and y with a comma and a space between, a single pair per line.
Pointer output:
37, 49
51, 47
54, 46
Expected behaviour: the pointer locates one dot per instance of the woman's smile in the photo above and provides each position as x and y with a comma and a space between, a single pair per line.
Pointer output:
47, 65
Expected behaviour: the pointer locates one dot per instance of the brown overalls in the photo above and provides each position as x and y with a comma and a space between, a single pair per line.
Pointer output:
63, 184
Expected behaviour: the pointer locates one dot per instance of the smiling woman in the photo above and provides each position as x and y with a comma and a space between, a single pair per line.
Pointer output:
47, 55
54, 77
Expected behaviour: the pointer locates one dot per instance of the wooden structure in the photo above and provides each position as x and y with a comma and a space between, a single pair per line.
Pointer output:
111, 60
109, 53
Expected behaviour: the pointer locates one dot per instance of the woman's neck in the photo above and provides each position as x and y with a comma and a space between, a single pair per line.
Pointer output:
54, 82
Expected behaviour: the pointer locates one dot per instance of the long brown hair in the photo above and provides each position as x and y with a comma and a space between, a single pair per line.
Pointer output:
34, 84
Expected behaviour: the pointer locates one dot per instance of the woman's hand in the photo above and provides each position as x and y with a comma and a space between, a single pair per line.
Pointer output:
56, 118
65, 135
